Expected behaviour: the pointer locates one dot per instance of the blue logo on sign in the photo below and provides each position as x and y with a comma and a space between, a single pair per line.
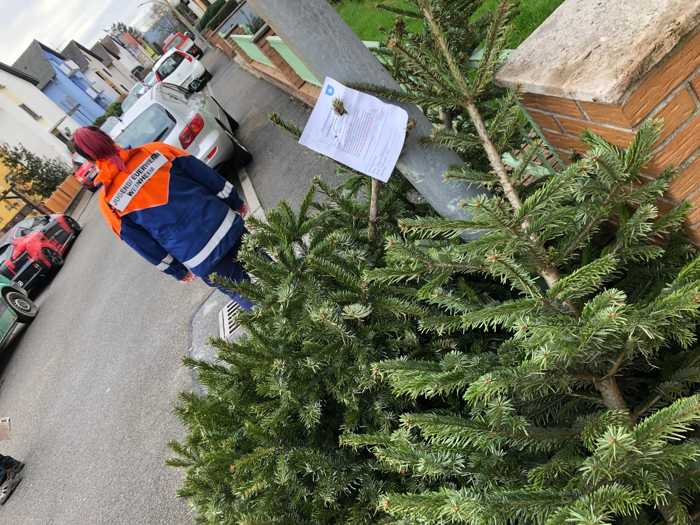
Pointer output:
330, 91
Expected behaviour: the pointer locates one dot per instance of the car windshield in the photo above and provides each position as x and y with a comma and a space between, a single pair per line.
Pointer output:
132, 97
169, 65
33, 222
152, 125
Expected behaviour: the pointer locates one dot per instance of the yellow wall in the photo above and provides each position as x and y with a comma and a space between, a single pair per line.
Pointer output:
8, 209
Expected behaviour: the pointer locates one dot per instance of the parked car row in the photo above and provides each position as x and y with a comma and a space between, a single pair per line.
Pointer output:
174, 111
32, 252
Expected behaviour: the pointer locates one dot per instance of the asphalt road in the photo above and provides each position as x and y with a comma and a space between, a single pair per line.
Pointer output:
90, 387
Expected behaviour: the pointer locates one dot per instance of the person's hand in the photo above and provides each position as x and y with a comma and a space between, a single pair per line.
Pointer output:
244, 210
188, 278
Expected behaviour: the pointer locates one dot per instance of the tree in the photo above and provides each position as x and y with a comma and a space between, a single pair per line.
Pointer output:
263, 442
31, 173
575, 399
113, 110
164, 15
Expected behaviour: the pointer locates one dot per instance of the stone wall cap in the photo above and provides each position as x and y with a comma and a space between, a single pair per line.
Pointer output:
596, 50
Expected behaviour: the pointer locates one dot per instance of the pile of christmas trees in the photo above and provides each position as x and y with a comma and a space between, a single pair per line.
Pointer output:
544, 373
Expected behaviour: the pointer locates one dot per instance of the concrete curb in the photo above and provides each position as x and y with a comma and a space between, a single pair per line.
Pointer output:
251, 197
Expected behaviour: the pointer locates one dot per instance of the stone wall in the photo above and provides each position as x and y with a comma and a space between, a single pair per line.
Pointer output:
608, 67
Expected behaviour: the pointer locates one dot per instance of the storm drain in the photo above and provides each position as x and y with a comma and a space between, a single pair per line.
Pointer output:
228, 320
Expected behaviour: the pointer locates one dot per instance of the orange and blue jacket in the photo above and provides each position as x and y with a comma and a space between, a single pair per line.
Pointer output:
170, 207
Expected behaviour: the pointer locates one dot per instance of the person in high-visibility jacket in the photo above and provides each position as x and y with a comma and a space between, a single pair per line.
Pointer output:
174, 210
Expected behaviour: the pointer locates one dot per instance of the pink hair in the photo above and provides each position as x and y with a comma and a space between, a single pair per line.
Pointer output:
94, 143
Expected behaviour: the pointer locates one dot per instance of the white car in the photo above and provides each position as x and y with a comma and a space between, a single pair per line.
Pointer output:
179, 68
134, 94
192, 121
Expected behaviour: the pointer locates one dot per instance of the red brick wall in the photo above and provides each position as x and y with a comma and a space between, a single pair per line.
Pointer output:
670, 91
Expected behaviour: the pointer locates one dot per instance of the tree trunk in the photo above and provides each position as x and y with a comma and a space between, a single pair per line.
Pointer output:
373, 210
493, 156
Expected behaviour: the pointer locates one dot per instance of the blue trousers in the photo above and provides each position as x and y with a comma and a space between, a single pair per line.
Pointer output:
230, 268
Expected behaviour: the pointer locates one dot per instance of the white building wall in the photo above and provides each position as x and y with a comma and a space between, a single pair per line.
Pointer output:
128, 61
121, 75
18, 126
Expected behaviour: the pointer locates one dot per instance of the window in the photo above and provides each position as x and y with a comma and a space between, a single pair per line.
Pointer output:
154, 124
5, 252
31, 113
169, 65
124, 87
107, 73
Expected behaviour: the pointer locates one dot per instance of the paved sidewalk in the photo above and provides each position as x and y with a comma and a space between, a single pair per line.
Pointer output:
282, 169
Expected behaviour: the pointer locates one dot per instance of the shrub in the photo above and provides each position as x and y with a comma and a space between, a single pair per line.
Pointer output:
113, 110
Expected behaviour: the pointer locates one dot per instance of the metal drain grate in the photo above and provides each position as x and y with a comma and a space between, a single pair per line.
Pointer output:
228, 320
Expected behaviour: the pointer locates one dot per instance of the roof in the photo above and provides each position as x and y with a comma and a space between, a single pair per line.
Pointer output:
34, 63
77, 53
112, 46
19, 74
598, 51
103, 53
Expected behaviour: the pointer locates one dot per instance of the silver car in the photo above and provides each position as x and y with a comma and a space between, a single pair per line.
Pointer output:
193, 122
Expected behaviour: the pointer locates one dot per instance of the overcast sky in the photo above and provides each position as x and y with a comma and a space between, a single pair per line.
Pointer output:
56, 22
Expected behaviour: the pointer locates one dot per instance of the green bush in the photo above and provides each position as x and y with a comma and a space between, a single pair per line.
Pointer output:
113, 110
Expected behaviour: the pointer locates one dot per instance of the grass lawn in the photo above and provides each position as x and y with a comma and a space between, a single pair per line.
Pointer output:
366, 20
528, 17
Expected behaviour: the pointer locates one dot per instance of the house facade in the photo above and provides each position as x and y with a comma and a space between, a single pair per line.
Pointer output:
30, 118
117, 57
141, 53
102, 73
61, 79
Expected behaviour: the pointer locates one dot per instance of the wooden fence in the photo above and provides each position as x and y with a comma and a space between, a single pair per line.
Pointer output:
61, 199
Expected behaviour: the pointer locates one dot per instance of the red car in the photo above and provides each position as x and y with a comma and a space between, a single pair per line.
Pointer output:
33, 251
86, 174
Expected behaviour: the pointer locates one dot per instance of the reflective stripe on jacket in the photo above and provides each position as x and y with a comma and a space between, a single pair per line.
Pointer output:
170, 207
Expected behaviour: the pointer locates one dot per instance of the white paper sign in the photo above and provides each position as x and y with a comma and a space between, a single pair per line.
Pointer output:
369, 137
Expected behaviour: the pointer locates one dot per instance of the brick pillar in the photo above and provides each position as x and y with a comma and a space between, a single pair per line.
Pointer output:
608, 66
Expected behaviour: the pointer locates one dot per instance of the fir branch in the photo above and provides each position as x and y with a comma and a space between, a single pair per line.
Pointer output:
278, 121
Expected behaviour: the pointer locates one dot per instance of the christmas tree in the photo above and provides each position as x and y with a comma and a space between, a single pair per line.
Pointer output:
575, 399
263, 443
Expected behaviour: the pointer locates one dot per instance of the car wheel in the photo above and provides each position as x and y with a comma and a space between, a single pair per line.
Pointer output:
242, 156
232, 122
22, 305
